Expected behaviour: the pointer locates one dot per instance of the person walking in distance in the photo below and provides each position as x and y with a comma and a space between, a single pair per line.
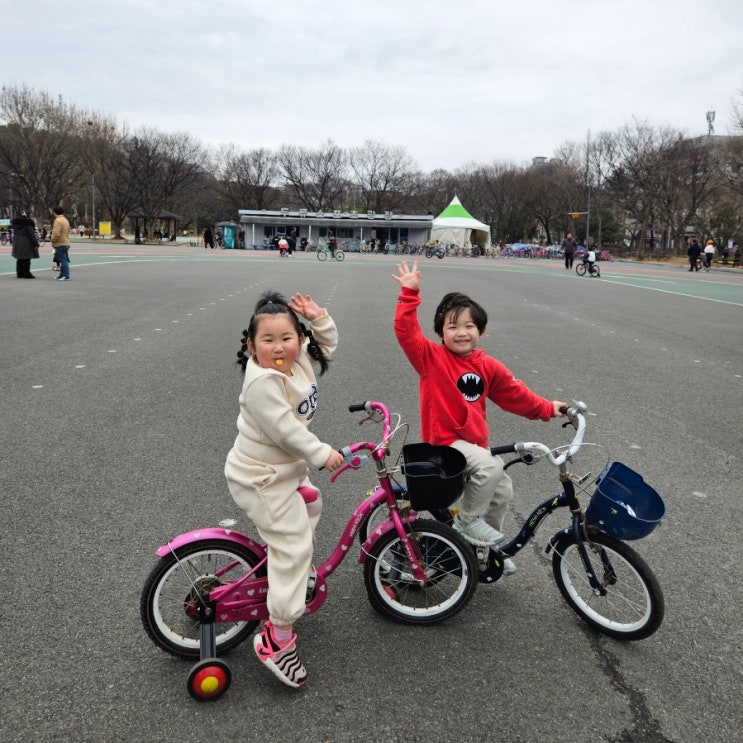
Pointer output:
569, 245
61, 243
694, 252
709, 254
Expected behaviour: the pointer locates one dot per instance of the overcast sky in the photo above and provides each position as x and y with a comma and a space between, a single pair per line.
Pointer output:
452, 82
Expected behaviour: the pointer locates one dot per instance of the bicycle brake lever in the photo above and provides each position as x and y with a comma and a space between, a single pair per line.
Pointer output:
526, 458
376, 416
354, 461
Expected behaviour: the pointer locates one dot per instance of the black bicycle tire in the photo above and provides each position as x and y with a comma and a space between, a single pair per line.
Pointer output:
442, 543
151, 591
649, 621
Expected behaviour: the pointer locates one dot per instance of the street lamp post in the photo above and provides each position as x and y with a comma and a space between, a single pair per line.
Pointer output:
10, 193
92, 175
92, 132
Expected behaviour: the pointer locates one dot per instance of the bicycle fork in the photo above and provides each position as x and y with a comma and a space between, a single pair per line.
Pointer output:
578, 529
580, 540
412, 552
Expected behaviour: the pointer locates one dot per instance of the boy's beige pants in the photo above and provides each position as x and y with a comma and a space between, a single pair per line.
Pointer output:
489, 489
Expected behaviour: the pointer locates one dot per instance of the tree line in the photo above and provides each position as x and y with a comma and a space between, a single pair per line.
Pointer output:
642, 186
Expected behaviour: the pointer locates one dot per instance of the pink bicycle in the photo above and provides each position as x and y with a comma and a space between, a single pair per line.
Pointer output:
207, 592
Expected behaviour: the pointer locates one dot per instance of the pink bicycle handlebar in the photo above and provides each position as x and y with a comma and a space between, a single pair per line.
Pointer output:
379, 413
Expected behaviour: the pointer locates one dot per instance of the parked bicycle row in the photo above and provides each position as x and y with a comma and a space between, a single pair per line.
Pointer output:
435, 249
6, 236
452, 250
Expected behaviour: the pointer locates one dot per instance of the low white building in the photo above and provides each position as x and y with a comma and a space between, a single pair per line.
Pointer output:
261, 225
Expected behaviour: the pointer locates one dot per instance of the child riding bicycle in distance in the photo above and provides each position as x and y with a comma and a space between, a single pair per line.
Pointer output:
456, 378
267, 468
589, 259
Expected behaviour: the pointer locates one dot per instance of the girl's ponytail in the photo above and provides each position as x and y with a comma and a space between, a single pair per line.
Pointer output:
315, 351
244, 353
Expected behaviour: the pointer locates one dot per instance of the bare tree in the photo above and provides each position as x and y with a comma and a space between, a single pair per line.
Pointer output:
632, 182
315, 177
688, 176
555, 190
105, 157
506, 202
201, 203
598, 171
159, 165
247, 180
732, 161
434, 191
382, 174
736, 114
39, 147
470, 181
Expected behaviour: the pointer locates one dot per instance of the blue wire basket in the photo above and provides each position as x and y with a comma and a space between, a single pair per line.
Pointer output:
624, 505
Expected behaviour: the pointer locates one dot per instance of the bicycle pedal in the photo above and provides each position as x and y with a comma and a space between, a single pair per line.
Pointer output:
311, 583
483, 553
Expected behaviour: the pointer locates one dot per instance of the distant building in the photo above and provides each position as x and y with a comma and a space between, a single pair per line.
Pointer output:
261, 225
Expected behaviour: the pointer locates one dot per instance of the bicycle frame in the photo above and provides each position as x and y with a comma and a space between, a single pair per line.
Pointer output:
245, 599
566, 499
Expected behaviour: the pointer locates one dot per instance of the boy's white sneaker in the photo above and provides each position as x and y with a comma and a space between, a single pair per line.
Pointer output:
478, 532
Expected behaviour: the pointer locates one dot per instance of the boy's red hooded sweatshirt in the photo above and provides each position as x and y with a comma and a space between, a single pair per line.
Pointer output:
454, 389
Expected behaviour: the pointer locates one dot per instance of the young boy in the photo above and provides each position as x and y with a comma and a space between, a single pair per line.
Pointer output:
456, 379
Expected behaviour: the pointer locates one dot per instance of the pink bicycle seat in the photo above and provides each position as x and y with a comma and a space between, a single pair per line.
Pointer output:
309, 494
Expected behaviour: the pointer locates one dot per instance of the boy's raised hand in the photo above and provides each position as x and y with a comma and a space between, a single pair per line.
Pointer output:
410, 278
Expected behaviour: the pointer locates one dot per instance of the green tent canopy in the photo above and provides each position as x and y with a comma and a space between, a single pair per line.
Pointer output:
457, 226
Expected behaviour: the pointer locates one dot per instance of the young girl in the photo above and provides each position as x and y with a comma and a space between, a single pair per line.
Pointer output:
456, 378
272, 453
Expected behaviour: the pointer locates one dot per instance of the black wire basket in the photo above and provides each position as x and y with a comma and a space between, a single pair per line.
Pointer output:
435, 475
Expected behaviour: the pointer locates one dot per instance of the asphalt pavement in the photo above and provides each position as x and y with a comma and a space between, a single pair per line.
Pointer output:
120, 396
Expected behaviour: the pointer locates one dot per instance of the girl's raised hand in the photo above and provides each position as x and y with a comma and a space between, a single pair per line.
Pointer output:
305, 306
409, 278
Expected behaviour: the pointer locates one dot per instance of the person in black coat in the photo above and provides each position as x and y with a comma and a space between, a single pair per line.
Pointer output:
25, 245
694, 251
